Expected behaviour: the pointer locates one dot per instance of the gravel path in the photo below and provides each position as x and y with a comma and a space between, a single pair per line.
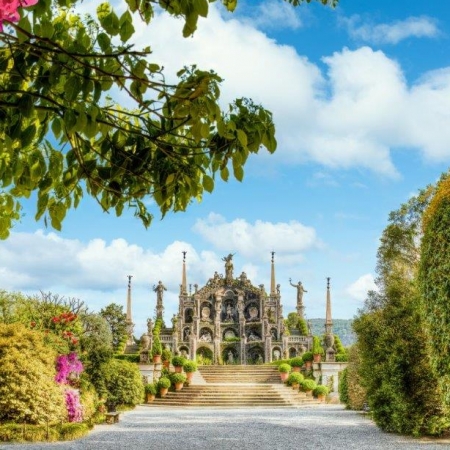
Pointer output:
319, 428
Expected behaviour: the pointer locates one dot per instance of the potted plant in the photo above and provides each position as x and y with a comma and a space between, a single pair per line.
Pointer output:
178, 379
166, 355
308, 386
307, 359
163, 386
156, 350
296, 363
317, 349
284, 370
295, 379
189, 367
150, 391
320, 392
177, 362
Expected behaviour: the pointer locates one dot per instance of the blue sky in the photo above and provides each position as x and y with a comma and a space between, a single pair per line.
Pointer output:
361, 101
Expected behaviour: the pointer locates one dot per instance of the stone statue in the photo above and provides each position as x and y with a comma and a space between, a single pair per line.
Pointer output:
149, 326
159, 289
229, 312
309, 328
186, 334
278, 289
174, 321
230, 357
228, 266
300, 291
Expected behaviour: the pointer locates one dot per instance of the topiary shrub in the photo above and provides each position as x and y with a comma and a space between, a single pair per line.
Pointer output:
307, 356
189, 366
284, 368
151, 388
178, 361
317, 348
295, 378
166, 355
320, 390
296, 362
308, 385
164, 383
177, 378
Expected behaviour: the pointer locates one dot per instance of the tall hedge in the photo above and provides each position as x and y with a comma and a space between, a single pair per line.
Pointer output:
434, 279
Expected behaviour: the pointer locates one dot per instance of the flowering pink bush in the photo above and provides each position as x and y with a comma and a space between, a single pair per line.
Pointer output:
67, 366
9, 10
74, 408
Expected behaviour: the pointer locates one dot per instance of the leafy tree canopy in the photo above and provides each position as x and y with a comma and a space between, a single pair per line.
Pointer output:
117, 321
62, 136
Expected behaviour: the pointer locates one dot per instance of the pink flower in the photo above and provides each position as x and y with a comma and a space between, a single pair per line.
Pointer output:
9, 10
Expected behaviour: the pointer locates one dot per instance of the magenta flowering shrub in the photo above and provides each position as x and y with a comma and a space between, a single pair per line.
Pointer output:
9, 10
73, 405
67, 367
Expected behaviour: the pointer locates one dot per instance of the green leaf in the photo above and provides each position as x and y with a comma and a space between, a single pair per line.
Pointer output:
56, 127
72, 87
225, 173
238, 172
208, 183
133, 5
126, 26
28, 135
242, 137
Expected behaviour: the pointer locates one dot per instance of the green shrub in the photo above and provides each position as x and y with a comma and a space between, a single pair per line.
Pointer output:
308, 385
122, 382
317, 348
284, 368
178, 361
320, 390
307, 356
342, 357
177, 378
166, 355
164, 382
296, 362
156, 346
28, 391
343, 387
151, 388
189, 366
302, 327
132, 358
295, 378
71, 431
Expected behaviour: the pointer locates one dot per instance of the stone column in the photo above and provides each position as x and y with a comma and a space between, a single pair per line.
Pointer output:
243, 349
192, 346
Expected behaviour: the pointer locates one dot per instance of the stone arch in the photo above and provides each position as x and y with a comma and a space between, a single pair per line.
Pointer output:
292, 352
206, 335
255, 355
186, 333
204, 355
183, 350
229, 332
188, 315
230, 359
277, 353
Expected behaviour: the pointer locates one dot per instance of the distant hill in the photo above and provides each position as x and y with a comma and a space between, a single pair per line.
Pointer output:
341, 327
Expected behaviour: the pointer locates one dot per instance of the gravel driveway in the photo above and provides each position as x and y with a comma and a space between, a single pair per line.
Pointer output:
327, 427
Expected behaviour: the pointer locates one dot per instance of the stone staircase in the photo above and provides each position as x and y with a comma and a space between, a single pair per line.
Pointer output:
236, 386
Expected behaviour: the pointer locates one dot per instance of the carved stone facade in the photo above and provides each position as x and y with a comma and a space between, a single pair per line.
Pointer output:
231, 321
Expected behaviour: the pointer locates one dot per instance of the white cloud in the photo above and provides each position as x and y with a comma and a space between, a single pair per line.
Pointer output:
392, 33
358, 290
273, 14
256, 241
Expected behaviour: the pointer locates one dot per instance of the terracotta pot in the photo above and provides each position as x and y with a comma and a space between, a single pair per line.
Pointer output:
308, 364
166, 364
321, 398
295, 386
317, 358
296, 369
150, 398
284, 376
308, 393
178, 369
179, 386
189, 376
163, 391
157, 359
